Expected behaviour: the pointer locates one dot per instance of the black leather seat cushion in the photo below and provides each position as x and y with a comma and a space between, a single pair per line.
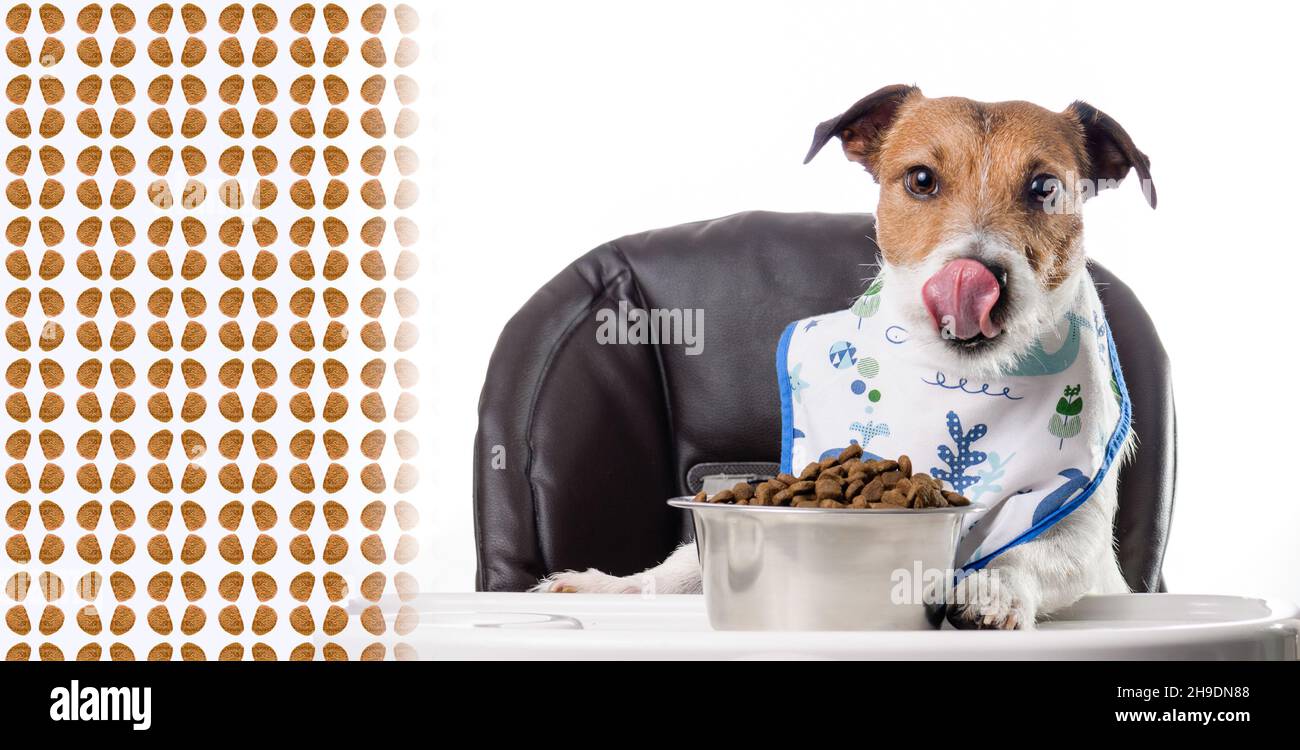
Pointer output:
580, 444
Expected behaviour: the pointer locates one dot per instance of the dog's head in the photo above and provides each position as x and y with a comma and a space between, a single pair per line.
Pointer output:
978, 223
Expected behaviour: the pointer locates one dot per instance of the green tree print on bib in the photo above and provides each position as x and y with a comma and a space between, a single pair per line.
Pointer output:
1066, 422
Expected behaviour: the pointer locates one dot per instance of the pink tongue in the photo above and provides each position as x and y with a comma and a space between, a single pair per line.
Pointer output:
960, 298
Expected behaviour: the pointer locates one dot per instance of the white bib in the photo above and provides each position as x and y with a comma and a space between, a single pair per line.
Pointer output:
1030, 445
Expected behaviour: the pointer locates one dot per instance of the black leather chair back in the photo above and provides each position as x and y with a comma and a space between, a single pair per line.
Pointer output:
580, 444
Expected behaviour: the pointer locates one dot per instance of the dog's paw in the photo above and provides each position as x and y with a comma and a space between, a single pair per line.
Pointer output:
984, 600
590, 581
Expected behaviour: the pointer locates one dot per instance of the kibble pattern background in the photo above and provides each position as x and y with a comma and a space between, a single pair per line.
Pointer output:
208, 301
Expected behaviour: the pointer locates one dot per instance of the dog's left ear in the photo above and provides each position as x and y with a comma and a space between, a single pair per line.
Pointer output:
1111, 151
863, 125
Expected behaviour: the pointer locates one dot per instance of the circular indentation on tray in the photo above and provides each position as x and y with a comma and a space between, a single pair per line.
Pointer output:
1128, 611
513, 620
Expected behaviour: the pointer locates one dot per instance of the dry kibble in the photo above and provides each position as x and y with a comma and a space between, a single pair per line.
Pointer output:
264, 515
301, 585
88, 515
264, 549
89, 622
264, 18
300, 445
301, 515
194, 445
408, 476
372, 619
159, 548
372, 586
16, 445
264, 586
230, 549
17, 549
407, 515
372, 515
301, 620
406, 443
336, 373
122, 585
408, 405
336, 51
372, 548
230, 515
193, 515
406, 266
301, 478
123, 619
336, 548
372, 91
301, 18
160, 515
372, 18
230, 620
336, 619
51, 620
159, 18
193, 18
191, 622
264, 373
301, 549
336, 588
122, 515
336, 19
159, 586
230, 585
845, 481
114, 317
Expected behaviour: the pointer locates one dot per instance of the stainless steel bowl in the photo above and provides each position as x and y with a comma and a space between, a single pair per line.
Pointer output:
778, 568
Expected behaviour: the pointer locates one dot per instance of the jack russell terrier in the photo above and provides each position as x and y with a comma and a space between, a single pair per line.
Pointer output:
982, 260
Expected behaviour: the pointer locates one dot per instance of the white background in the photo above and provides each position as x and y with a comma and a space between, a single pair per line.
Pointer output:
556, 126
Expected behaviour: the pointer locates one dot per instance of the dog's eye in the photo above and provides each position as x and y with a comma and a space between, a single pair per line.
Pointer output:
1044, 186
921, 182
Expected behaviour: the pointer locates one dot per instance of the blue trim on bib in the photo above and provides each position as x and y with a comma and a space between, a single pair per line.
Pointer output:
1113, 447
787, 405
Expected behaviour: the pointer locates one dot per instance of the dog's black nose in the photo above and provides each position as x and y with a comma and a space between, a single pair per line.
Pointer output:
999, 273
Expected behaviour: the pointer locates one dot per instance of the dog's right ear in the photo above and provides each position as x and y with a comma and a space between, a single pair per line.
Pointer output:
863, 125
1111, 152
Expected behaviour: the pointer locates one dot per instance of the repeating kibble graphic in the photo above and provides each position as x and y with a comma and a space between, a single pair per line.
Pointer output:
208, 312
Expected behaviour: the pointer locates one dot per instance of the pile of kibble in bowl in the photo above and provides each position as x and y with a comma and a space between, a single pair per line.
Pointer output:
845, 481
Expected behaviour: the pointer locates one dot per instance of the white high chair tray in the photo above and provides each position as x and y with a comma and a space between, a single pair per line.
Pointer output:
611, 626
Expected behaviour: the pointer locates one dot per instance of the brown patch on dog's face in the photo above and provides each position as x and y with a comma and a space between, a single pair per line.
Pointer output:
983, 160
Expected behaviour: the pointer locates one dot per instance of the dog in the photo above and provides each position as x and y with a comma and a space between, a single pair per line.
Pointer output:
1000, 184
